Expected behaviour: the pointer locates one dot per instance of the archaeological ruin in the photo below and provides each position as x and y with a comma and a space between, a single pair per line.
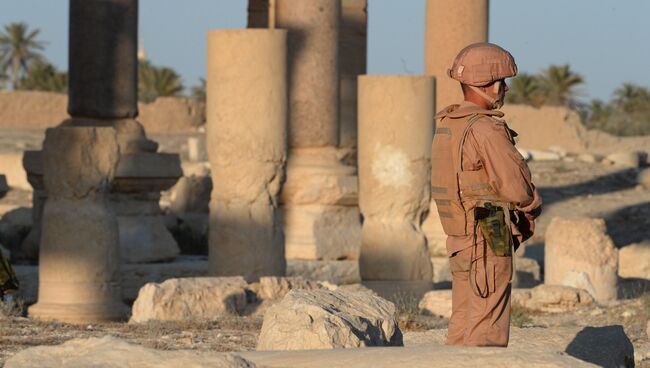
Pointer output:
288, 219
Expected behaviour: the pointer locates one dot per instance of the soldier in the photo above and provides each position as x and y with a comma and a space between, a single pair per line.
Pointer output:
484, 194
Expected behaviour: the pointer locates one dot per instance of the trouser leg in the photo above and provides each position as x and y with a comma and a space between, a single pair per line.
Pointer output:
460, 292
488, 319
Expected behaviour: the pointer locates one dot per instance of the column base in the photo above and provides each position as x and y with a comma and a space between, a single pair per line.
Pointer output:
79, 313
399, 291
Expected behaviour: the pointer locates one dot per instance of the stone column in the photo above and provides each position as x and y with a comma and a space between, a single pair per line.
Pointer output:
247, 137
450, 26
103, 92
395, 135
79, 279
319, 198
352, 60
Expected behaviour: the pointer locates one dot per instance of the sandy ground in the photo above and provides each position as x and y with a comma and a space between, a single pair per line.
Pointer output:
568, 189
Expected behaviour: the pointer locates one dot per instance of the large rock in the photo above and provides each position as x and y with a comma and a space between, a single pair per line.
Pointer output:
441, 270
634, 261
272, 287
527, 272
552, 298
109, 352
335, 272
199, 298
145, 239
579, 253
322, 319
436, 303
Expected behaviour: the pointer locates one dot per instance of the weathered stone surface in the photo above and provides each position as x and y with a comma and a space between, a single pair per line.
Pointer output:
172, 115
606, 346
335, 272
197, 298
322, 232
443, 41
554, 298
322, 319
634, 261
648, 329
191, 194
79, 279
12, 168
395, 135
110, 352
437, 303
271, 287
247, 158
623, 159
15, 226
436, 237
145, 239
579, 253
527, 272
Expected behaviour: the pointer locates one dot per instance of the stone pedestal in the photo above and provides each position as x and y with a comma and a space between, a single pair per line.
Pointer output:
450, 26
79, 279
247, 137
395, 135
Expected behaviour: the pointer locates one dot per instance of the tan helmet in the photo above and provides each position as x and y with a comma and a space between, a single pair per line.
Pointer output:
482, 63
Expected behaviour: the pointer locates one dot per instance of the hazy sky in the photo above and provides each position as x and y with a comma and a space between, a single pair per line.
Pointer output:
607, 41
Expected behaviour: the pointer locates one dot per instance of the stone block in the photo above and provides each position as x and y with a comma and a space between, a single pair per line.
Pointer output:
187, 299
579, 253
634, 261
553, 298
145, 239
109, 352
335, 272
322, 319
320, 232
271, 287
436, 303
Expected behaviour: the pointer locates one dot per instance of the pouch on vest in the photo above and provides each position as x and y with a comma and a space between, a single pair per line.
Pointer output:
495, 230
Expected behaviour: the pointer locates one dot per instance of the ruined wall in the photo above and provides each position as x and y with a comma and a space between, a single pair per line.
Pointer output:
39, 110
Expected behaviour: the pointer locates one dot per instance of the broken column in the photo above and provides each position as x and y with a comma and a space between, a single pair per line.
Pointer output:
352, 61
246, 134
450, 26
103, 92
79, 279
395, 134
579, 253
319, 198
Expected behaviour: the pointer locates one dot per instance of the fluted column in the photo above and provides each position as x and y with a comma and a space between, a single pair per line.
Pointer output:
247, 146
395, 134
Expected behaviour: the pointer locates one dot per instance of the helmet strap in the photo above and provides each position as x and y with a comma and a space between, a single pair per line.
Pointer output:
492, 101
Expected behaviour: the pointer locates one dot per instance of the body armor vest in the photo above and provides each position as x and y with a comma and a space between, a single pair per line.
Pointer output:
456, 191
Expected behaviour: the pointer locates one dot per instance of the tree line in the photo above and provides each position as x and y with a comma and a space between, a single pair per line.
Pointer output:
24, 67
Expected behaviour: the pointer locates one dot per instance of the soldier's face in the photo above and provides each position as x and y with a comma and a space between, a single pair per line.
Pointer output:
497, 90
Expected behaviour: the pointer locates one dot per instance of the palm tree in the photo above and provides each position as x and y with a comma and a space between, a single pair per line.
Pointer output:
558, 83
632, 98
155, 81
43, 76
18, 46
524, 89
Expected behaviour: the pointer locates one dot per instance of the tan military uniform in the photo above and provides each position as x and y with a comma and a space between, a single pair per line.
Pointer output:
475, 161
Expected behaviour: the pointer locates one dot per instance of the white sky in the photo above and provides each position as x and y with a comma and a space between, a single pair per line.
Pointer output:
607, 41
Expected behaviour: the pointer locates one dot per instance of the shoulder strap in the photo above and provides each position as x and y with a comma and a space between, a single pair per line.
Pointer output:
470, 122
